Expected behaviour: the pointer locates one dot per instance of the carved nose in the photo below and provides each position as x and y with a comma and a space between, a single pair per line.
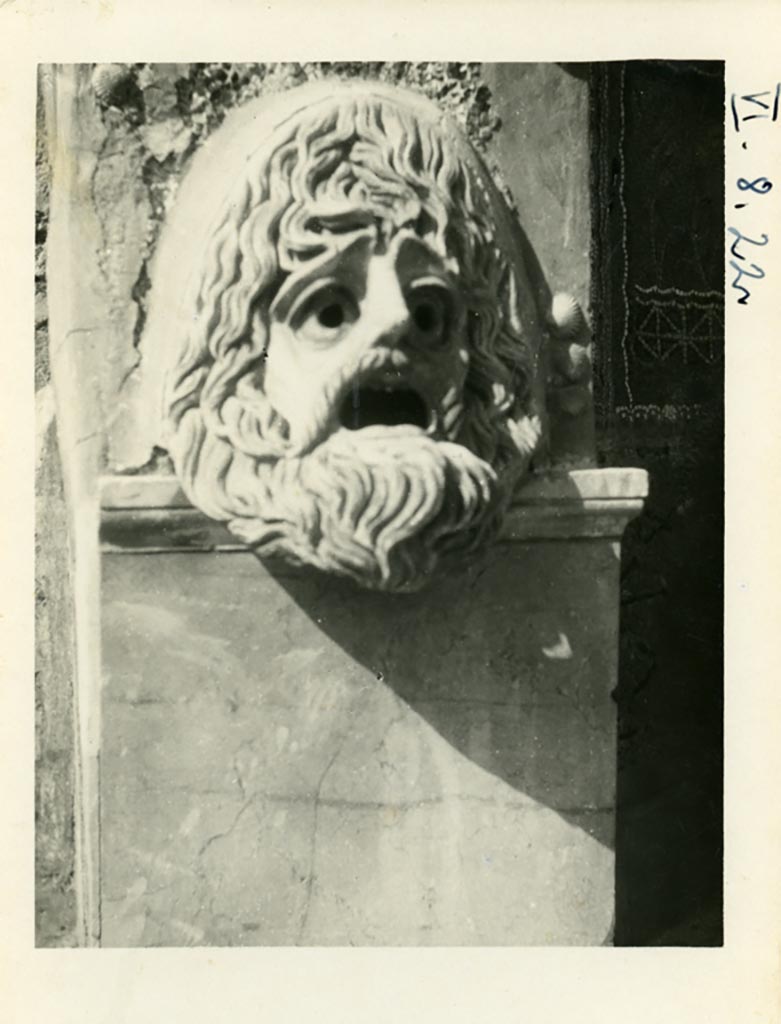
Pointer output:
388, 316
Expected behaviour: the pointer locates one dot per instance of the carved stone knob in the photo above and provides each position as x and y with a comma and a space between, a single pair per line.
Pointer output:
566, 315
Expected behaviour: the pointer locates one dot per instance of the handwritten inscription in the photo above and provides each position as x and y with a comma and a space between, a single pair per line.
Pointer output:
744, 108
751, 107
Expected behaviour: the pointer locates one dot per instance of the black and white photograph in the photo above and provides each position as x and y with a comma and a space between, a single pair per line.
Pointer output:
389, 619
386, 409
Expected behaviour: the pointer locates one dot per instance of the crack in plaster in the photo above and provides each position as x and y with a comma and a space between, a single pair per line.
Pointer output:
313, 841
222, 835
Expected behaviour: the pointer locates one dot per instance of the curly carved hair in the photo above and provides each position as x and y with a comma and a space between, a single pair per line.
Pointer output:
367, 146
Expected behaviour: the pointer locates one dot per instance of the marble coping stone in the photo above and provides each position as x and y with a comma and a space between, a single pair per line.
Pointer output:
151, 513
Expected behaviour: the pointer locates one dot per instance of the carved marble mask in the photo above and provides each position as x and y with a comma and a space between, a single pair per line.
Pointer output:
372, 334
349, 337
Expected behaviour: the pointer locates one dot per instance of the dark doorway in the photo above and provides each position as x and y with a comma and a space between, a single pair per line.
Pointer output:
658, 307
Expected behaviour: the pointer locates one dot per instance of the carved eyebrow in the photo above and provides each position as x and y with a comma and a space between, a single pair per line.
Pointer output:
327, 266
339, 222
417, 258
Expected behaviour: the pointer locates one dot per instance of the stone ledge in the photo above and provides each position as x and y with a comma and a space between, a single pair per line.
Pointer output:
147, 514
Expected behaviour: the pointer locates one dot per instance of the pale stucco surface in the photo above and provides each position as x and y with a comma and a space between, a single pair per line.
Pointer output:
291, 760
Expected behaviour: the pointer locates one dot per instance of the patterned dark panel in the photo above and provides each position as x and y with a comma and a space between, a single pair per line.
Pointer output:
659, 300
658, 311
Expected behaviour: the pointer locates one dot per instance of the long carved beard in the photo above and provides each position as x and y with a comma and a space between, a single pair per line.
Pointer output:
382, 505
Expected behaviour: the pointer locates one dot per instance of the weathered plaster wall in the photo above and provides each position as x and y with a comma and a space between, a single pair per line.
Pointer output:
542, 151
42, 185
55, 902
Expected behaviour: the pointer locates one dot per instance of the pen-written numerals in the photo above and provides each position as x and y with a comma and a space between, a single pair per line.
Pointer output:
751, 270
746, 108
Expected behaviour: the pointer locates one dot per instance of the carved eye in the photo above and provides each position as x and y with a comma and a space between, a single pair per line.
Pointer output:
427, 316
323, 316
429, 308
332, 315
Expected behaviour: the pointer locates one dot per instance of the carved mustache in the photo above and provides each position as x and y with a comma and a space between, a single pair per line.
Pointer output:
376, 388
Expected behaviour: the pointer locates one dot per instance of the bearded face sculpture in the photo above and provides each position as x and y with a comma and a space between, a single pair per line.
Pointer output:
349, 337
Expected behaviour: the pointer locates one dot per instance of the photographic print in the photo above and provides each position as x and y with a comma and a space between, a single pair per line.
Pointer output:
379, 525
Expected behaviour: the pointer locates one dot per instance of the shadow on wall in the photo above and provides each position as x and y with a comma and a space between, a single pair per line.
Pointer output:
510, 661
